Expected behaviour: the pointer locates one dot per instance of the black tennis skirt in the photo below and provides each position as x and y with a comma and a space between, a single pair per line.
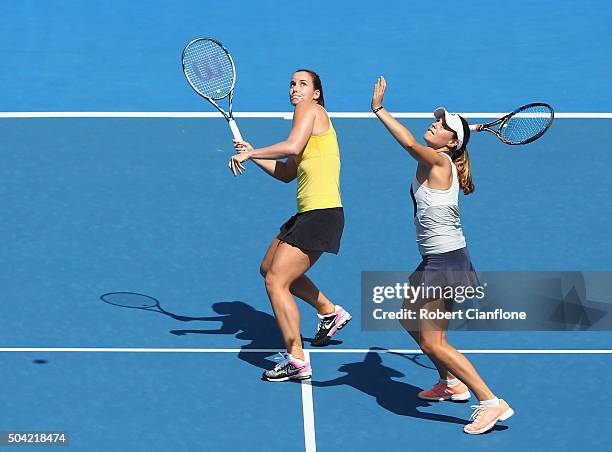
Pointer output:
451, 269
315, 230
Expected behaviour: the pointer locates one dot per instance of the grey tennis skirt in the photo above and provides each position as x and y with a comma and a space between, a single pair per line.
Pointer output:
451, 269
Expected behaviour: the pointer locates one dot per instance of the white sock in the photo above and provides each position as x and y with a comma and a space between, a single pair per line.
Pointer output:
493, 402
452, 382
300, 361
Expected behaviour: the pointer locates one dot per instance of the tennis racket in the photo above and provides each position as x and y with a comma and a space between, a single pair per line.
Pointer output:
211, 73
522, 126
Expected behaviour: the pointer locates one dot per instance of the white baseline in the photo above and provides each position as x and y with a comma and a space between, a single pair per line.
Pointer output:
270, 350
259, 114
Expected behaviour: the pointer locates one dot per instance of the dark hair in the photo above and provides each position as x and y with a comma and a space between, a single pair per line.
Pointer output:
466, 133
316, 81
461, 158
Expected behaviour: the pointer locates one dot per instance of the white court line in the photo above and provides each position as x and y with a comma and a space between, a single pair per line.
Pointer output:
308, 412
258, 114
306, 386
270, 350
479, 351
138, 350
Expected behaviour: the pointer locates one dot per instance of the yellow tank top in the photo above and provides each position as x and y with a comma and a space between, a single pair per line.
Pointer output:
318, 172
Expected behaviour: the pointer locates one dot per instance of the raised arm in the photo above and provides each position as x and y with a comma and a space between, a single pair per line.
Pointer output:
423, 154
301, 131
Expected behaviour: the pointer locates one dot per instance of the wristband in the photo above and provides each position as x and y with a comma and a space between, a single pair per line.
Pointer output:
376, 110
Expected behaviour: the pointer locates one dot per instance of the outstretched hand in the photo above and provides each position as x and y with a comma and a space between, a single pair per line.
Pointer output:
235, 162
379, 92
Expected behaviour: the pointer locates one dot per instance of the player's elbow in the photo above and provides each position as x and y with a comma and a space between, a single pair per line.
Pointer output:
293, 148
409, 143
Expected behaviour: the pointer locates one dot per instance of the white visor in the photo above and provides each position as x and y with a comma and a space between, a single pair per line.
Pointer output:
453, 121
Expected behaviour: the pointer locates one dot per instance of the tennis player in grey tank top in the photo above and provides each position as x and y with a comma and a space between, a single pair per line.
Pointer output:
436, 216
443, 168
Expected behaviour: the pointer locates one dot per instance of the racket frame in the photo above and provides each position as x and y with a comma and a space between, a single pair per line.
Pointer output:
107, 298
229, 116
488, 127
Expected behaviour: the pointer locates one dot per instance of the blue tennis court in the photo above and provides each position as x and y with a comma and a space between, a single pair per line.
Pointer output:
112, 181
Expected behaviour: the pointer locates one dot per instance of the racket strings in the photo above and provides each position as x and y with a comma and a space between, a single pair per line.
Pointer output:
209, 68
527, 125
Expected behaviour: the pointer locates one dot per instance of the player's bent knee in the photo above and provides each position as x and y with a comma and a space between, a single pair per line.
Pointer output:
275, 282
430, 348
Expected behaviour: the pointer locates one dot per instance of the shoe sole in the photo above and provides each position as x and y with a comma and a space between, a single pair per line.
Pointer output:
342, 325
454, 398
346, 321
504, 416
300, 377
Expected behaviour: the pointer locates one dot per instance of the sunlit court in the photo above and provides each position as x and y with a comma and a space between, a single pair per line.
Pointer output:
134, 313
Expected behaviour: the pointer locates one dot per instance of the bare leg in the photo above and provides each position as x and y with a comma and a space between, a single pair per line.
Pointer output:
409, 326
433, 343
289, 263
302, 287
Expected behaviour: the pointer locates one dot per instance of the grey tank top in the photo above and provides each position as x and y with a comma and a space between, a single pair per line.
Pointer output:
436, 216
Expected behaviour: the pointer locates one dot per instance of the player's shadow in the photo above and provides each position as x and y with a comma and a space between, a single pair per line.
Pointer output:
236, 317
373, 378
248, 324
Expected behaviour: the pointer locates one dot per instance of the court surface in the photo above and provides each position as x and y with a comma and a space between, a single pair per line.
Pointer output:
136, 201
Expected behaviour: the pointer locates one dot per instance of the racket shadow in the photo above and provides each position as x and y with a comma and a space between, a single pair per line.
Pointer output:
135, 300
374, 379
420, 359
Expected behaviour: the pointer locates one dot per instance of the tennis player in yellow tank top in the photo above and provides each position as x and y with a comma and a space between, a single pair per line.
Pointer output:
313, 158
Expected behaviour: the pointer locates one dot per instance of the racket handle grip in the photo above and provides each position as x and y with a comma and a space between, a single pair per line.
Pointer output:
234, 129
476, 127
